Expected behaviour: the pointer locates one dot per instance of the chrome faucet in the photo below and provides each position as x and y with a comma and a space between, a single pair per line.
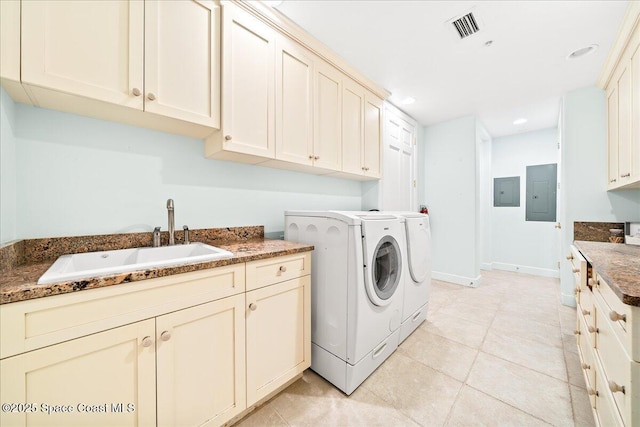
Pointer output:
172, 225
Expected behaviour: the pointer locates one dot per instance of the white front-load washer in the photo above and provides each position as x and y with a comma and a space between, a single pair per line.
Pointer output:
417, 268
357, 290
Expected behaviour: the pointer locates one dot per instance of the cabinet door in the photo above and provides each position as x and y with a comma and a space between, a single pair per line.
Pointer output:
107, 379
182, 54
247, 84
201, 367
327, 140
87, 48
635, 116
624, 124
294, 103
612, 139
278, 335
352, 127
372, 135
10, 40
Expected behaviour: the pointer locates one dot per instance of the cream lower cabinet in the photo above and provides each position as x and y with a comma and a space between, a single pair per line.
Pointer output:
106, 378
608, 332
94, 58
278, 323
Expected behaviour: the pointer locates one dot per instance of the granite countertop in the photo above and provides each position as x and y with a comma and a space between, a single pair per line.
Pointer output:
618, 264
22, 263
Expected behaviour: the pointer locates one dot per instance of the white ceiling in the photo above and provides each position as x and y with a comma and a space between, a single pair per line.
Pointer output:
409, 48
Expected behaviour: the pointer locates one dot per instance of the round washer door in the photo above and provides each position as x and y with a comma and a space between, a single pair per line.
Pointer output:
383, 274
419, 248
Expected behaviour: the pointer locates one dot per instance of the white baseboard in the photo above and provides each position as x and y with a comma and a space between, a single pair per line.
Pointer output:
545, 272
458, 280
568, 300
486, 266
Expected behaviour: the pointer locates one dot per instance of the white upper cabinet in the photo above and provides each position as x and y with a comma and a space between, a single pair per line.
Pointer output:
294, 103
327, 142
92, 49
623, 116
248, 125
361, 131
181, 74
95, 57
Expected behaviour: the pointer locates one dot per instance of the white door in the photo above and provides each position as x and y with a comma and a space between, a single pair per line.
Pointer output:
398, 188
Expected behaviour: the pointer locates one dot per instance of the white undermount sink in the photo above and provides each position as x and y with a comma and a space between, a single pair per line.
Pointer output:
94, 264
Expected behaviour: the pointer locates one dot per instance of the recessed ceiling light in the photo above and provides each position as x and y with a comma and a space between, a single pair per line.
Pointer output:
273, 3
520, 121
582, 51
408, 100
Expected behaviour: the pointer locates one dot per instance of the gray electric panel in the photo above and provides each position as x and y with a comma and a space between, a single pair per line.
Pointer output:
506, 191
541, 192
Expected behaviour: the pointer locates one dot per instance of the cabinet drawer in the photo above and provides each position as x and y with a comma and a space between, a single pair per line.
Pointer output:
607, 414
275, 270
618, 370
586, 351
578, 267
36, 323
614, 308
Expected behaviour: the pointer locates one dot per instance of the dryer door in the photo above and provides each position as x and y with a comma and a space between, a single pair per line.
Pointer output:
419, 247
383, 275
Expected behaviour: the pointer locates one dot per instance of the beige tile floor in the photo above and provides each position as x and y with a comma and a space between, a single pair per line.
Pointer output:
502, 354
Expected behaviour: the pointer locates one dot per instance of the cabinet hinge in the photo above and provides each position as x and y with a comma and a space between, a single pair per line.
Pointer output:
414, 183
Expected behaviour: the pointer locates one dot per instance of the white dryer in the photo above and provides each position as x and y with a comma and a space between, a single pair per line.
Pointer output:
418, 271
357, 290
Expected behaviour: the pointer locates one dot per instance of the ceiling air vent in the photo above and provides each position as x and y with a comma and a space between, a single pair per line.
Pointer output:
466, 26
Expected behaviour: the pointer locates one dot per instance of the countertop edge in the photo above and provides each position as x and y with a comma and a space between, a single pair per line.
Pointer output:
611, 270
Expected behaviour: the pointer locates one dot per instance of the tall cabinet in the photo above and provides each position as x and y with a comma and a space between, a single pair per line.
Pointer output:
623, 112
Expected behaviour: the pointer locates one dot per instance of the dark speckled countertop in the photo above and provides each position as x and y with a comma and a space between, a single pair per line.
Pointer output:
618, 264
22, 263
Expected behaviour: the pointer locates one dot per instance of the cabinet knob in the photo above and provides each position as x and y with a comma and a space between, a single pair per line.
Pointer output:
310, 156
570, 257
282, 269
585, 366
593, 329
575, 270
576, 290
558, 226
316, 157
227, 137
615, 316
586, 312
253, 306
147, 342
136, 92
165, 336
613, 180
151, 97
592, 392
576, 332
626, 175
616, 388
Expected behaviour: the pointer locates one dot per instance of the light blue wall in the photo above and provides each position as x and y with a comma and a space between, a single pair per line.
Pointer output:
78, 175
584, 174
8, 212
450, 191
519, 245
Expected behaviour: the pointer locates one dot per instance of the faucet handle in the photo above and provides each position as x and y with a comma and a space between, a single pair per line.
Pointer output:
156, 237
186, 234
